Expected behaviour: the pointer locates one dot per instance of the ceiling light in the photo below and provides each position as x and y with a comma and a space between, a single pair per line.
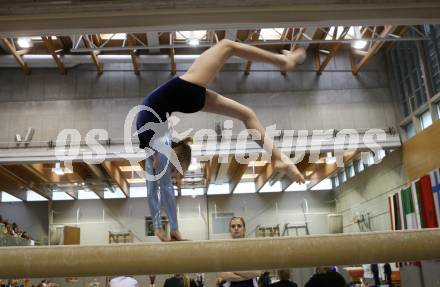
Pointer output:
258, 163
193, 41
359, 44
249, 176
135, 180
330, 159
24, 42
57, 169
130, 168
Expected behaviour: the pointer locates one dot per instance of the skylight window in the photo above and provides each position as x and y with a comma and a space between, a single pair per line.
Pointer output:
245, 187
6, 197
184, 35
117, 36
191, 192
33, 196
61, 195
326, 184
218, 188
87, 194
271, 34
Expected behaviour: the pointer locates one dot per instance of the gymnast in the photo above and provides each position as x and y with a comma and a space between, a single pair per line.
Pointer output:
188, 94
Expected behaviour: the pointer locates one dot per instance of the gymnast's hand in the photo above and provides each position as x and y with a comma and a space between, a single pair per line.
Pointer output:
290, 170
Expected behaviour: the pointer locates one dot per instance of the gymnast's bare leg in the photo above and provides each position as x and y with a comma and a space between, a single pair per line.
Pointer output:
203, 71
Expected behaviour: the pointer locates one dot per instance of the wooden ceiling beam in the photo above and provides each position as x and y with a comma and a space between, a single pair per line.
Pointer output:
23, 65
235, 173
50, 47
324, 170
254, 36
116, 175
29, 179
333, 51
373, 50
86, 174
132, 42
94, 54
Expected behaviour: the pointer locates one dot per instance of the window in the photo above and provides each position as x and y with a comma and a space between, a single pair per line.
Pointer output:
342, 176
407, 74
358, 166
271, 34
335, 181
410, 130
425, 119
438, 109
350, 171
432, 51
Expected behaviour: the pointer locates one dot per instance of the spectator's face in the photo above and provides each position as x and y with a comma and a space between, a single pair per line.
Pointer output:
236, 228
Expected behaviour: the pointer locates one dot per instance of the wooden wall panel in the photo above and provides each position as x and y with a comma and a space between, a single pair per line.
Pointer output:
421, 153
71, 235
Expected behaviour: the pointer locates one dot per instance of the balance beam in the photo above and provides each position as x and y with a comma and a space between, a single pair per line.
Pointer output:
218, 255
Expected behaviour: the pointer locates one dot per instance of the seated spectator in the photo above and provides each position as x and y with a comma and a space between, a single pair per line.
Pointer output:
15, 231
25, 235
124, 281
180, 280
284, 275
326, 277
6, 229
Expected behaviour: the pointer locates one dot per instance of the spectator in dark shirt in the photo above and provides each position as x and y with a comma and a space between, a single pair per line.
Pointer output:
325, 277
284, 275
180, 280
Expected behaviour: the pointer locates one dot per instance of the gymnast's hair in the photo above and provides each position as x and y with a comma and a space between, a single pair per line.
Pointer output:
183, 152
239, 218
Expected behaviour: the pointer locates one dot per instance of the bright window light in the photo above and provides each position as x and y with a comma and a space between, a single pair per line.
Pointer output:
297, 187
350, 170
191, 192
271, 34
6, 197
83, 194
360, 166
379, 155
410, 130
245, 187
33, 196
342, 176
61, 195
330, 159
438, 109
335, 181
117, 194
367, 158
57, 169
138, 191
218, 188
184, 35
426, 119
117, 36
135, 180
24, 42
249, 176
326, 184
267, 187
130, 168
360, 44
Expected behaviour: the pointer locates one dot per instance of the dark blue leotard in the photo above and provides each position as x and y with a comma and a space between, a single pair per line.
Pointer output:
176, 95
